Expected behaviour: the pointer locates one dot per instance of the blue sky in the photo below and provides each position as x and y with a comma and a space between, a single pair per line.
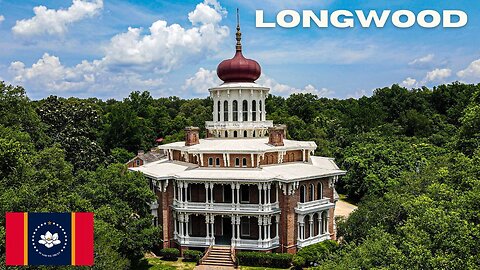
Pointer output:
109, 48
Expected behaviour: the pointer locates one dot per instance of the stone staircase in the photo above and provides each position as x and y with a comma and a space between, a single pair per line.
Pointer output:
219, 256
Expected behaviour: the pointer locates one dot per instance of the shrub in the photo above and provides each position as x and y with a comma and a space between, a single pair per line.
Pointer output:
278, 260
316, 253
298, 262
170, 254
192, 255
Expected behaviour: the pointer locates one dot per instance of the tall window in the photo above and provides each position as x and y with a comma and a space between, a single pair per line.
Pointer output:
319, 191
235, 110
235, 134
245, 110
218, 111
244, 162
254, 110
260, 110
210, 162
302, 193
237, 162
245, 134
217, 162
312, 192
225, 110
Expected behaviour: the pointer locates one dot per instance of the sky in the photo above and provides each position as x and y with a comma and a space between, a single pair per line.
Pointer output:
109, 48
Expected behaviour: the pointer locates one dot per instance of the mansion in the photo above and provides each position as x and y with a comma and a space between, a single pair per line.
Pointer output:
245, 185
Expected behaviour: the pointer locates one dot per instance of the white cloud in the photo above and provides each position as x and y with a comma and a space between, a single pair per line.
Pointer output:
202, 81
438, 75
130, 58
422, 60
472, 72
2, 18
56, 22
409, 83
286, 90
169, 46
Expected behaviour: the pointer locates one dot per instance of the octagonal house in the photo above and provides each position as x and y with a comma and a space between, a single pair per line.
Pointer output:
245, 186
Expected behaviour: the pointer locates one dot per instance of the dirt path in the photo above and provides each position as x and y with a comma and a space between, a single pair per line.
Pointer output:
344, 208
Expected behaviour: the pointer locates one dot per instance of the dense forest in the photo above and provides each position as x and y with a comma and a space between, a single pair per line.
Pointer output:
412, 158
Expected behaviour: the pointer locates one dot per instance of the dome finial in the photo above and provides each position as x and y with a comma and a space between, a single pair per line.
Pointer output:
239, 34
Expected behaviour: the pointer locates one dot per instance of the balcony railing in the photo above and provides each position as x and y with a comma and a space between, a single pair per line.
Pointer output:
195, 241
255, 244
237, 124
313, 205
313, 240
222, 207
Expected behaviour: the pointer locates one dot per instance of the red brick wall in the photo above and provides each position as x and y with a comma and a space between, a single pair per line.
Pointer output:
288, 221
292, 156
269, 158
133, 163
165, 215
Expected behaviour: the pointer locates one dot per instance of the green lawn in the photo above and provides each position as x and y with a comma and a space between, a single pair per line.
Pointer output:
157, 264
257, 268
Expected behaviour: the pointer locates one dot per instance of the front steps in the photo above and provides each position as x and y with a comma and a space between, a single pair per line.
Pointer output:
219, 256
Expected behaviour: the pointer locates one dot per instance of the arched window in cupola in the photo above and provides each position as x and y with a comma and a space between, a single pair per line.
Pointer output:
235, 110
225, 111
245, 110
254, 110
218, 111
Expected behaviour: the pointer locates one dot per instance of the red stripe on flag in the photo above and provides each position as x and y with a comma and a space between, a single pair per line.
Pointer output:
15, 238
83, 238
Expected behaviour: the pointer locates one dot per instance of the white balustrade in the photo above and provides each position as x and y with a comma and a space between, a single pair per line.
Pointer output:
313, 240
197, 206
313, 205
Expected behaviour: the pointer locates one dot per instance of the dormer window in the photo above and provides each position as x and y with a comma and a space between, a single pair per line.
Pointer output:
244, 162
217, 162
210, 162
237, 162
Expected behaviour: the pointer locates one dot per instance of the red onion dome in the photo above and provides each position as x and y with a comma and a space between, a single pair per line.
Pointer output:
239, 68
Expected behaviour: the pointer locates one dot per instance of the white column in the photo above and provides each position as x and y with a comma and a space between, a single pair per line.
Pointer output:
326, 222
268, 193
310, 221
212, 223
319, 219
211, 192
237, 186
186, 191
187, 216
206, 192
230, 110
233, 229
260, 220
238, 227
180, 186
260, 195
277, 220
276, 192
299, 230
232, 186
180, 223
207, 224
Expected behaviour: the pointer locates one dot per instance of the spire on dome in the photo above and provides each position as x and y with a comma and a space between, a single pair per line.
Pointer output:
239, 34
239, 68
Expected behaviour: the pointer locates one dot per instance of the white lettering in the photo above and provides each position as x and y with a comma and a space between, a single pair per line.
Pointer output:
281, 18
259, 22
447, 18
321, 22
436, 18
403, 13
347, 22
372, 15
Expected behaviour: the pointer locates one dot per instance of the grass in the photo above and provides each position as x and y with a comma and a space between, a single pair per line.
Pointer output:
157, 264
257, 268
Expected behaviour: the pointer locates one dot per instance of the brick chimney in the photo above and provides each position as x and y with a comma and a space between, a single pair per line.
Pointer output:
276, 134
192, 136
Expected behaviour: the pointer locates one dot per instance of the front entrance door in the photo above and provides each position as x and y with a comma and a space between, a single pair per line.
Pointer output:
224, 235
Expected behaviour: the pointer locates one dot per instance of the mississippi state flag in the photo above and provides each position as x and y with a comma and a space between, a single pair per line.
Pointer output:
49, 238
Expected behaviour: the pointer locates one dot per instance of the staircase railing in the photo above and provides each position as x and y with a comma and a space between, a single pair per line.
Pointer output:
233, 256
205, 256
